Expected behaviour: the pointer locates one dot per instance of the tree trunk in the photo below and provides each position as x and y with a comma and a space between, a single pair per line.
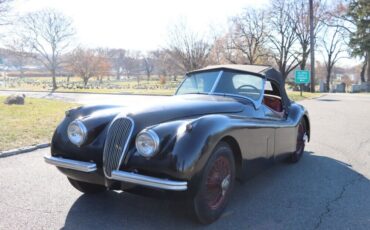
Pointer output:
86, 79
118, 75
22, 73
53, 76
328, 79
368, 67
312, 47
363, 70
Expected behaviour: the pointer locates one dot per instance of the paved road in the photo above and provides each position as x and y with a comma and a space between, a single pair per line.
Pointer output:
328, 189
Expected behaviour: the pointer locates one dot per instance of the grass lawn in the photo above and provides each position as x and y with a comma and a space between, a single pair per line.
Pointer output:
29, 124
296, 96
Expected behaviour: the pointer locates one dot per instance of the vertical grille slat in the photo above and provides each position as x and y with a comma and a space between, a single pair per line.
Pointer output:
116, 144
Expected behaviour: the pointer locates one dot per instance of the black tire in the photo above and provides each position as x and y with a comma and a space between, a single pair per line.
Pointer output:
87, 188
301, 135
215, 185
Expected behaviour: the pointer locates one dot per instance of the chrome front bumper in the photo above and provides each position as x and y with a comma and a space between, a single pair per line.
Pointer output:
118, 175
71, 164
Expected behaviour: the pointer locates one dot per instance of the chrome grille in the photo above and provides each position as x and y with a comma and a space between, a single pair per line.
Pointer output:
116, 144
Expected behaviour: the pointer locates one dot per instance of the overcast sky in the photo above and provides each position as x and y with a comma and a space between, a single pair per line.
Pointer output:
137, 24
143, 24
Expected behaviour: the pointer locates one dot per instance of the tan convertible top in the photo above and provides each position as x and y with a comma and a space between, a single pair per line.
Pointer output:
247, 68
264, 70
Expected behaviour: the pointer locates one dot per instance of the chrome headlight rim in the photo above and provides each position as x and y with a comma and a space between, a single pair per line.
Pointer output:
83, 131
154, 137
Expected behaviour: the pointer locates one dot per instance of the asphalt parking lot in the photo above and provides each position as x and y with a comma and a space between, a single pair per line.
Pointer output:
328, 189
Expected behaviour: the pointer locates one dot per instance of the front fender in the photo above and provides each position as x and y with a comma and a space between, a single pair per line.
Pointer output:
96, 120
185, 147
193, 147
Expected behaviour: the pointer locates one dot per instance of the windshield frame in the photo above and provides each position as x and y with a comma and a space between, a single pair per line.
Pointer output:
257, 103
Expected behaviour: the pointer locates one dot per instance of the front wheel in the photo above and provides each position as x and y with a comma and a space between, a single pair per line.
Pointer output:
301, 142
85, 187
215, 185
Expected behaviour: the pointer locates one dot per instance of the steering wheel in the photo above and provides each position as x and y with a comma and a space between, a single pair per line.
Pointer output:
242, 88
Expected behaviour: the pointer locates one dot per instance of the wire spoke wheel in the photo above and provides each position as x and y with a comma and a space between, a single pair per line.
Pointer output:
301, 142
215, 186
218, 182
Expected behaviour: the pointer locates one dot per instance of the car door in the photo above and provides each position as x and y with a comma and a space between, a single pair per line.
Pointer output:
284, 141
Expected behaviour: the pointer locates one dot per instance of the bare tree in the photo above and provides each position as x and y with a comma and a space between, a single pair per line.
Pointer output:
131, 64
223, 51
187, 47
283, 37
148, 64
19, 53
300, 19
88, 63
49, 35
165, 65
117, 59
5, 7
104, 64
249, 34
333, 47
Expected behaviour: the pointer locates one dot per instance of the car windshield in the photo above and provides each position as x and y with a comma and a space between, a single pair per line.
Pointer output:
198, 83
230, 83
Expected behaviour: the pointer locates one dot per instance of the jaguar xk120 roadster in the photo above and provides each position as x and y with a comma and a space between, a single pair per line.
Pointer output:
222, 124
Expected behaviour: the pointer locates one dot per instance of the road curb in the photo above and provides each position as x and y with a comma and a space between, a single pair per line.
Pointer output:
322, 95
25, 149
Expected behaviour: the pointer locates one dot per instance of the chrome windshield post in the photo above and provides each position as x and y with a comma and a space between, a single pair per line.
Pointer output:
216, 82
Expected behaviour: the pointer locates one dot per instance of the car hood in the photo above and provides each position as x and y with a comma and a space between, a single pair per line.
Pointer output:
181, 106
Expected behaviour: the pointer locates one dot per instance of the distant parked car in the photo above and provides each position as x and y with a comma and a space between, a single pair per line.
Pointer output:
223, 123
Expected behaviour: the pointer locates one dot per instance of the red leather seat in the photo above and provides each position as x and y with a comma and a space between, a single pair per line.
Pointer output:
273, 102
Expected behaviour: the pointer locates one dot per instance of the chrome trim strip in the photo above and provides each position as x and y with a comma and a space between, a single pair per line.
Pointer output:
71, 164
182, 82
216, 82
149, 181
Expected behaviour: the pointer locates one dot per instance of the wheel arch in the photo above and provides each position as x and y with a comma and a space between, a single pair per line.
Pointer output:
308, 125
234, 145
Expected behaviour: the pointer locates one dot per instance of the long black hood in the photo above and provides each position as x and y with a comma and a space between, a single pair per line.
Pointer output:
184, 106
97, 119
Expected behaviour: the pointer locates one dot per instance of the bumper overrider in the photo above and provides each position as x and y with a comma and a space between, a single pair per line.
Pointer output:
118, 175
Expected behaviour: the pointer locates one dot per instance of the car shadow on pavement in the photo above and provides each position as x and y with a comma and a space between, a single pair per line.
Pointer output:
286, 196
327, 100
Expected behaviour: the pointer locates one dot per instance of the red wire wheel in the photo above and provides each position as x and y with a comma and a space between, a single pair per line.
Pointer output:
301, 142
215, 186
300, 138
218, 182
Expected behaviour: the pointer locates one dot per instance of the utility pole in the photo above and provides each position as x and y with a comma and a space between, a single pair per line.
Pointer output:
312, 48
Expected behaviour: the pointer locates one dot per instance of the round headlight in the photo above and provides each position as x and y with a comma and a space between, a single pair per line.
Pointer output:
77, 132
147, 143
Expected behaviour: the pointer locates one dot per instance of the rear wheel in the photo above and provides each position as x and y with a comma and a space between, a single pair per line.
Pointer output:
301, 142
87, 188
215, 185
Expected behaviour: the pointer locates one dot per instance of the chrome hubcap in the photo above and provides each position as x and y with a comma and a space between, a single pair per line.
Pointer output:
305, 138
225, 184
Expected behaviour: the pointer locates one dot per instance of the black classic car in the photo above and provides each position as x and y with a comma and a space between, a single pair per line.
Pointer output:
223, 124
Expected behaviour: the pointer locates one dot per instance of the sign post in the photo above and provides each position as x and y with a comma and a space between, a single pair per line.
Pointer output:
302, 77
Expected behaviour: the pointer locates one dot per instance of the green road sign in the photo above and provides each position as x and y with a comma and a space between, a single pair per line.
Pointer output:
302, 77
